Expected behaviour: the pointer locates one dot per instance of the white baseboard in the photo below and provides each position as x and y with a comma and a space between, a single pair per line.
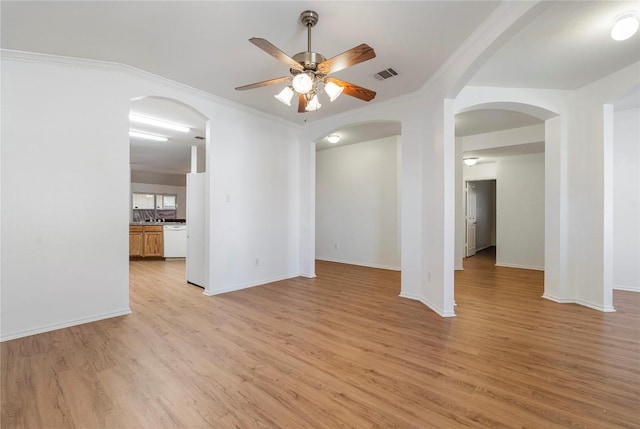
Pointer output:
361, 264
67, 324
522, 267
558, 300
247, 285
608, 309
426, 302
627, 288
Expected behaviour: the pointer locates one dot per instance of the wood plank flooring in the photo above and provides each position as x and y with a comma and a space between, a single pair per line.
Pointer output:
339, 351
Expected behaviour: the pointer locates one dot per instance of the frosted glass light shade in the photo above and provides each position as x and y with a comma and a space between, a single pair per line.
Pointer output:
285, 95
333, 90
333, 138
626, 25
470, 161
303, 82
313, 104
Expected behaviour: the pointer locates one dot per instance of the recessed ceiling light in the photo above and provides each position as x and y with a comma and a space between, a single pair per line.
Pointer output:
626, 25
134, 117
147, 136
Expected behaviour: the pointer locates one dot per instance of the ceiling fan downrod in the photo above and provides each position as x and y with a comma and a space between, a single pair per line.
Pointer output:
309, 19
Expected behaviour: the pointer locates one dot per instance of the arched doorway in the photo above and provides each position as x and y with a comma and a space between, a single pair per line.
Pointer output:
540, 134
168, 185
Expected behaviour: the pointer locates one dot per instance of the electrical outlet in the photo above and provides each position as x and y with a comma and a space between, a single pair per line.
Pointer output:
335, 246
257, 262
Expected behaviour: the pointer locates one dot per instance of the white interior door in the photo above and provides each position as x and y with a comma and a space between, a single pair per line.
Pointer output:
470, 240
195, 229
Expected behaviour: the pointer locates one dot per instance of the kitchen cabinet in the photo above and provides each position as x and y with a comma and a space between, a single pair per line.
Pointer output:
146, 241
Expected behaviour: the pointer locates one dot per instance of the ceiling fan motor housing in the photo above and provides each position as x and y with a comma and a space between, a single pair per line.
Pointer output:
309, 60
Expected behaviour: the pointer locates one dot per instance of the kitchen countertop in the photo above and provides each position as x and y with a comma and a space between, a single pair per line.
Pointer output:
157, 223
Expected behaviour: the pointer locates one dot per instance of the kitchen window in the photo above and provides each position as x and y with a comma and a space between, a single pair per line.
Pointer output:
153, 206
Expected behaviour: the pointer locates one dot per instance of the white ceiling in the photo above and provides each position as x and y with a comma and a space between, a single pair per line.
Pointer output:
172, 157
490, 120
566, 47
204, 44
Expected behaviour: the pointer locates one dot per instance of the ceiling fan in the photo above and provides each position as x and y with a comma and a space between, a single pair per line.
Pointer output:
310, 71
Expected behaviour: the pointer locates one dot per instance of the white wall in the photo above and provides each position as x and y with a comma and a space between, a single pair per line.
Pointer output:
626, 200
255, 205
520, 211
65, 140
486, 171
152, 188
357, 204
590, 184
65, 197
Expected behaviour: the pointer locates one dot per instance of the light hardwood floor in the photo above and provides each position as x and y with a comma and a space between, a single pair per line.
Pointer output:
339, 351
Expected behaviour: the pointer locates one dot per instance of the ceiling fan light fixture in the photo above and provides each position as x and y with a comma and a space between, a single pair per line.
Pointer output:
333, 90
333, 138
470, 161
285, 95
140, 119
303, 82
626, 25
313, 104
147, 136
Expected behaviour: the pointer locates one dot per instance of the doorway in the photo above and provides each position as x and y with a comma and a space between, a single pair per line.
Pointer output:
167, 156
480, 216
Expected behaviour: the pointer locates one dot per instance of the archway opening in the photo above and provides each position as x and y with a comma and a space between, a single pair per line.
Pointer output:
168, 142
507, 141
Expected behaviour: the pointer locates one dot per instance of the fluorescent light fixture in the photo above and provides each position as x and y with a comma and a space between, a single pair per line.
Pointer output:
333, 90
285, 95
626, 25
303, 82
134, 117
333, 138
147, 136
470, 161
313, 104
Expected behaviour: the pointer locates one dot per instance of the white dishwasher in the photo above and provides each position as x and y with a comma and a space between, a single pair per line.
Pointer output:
175, 241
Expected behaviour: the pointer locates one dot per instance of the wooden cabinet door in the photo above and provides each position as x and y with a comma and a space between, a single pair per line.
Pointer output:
153, 243
135, 241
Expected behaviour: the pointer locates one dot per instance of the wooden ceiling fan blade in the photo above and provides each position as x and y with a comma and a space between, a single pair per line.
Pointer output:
264, 83
302, 103
356, 91
272, 50
346, 59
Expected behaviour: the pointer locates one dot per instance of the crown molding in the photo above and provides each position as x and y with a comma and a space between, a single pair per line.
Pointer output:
136, 72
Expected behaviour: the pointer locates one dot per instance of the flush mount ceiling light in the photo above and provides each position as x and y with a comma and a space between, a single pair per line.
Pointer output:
140, 119
626, 25
147, 136
470, 161
333, 138
310, 70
